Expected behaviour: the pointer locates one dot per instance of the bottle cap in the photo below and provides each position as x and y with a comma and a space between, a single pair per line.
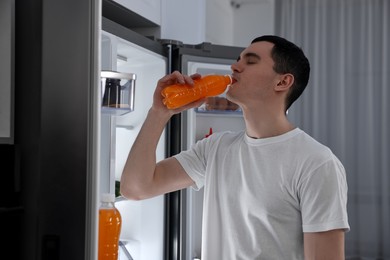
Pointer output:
107, 197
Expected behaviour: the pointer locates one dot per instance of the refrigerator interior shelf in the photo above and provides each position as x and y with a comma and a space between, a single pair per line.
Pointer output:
219, 105
202, 112
128, 127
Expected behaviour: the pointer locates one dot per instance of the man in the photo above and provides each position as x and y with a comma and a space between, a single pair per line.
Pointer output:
271, 191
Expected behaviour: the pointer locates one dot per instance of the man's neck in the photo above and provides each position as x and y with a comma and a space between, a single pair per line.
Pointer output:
266, 124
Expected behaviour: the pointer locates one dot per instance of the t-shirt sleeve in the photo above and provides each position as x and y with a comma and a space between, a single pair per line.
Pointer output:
323, 198
193, 162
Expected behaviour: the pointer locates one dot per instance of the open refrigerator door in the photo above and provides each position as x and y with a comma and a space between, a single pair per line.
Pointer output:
169, 226
142, 233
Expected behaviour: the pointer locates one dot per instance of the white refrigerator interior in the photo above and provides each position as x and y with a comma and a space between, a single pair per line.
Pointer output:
198, 126
142, 230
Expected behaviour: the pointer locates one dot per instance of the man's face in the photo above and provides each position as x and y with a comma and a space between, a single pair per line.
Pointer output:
253, 74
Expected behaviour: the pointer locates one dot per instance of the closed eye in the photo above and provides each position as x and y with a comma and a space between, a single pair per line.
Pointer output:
250, 58
251, 61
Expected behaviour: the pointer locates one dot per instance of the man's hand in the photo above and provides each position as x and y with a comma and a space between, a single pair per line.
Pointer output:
173, 78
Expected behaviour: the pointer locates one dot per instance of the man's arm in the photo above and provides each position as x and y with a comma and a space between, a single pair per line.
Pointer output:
328, 245
141, 177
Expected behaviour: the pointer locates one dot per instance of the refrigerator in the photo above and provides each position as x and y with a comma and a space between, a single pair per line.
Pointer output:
67, 152
168, 226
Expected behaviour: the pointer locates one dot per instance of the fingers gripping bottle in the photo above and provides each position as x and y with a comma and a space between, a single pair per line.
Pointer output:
178, 95
110, 223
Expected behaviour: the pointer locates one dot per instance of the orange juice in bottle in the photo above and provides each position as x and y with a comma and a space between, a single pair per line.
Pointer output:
178, 95
110, 223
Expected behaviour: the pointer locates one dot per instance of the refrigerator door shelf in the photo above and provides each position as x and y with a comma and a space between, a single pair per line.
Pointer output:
118, 92
129, 249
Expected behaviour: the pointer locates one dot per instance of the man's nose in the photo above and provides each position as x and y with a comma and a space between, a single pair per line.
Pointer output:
235, 67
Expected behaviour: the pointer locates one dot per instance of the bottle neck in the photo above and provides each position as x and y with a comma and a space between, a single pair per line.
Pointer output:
107, 205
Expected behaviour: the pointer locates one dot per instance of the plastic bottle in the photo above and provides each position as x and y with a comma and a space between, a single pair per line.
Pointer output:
110, 223
178, 95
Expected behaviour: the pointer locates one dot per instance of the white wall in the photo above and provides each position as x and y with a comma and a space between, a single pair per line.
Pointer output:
215, 21
150, 9
219, 22
252, 19
183, 20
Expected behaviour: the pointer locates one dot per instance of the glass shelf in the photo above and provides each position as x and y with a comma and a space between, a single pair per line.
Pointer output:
203, 112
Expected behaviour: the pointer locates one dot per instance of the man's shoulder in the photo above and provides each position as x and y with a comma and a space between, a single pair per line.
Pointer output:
312, 148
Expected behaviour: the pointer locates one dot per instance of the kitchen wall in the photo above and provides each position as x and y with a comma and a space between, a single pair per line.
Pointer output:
224, 22
183, 20
216, 21
238, 22
219, 22
252, 19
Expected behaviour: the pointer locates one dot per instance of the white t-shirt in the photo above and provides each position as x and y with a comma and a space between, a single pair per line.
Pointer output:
260, 195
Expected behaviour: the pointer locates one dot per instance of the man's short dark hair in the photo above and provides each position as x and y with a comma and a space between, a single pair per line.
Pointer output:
289, 58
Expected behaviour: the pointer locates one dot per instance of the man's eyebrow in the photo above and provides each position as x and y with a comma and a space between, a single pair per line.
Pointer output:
249, 55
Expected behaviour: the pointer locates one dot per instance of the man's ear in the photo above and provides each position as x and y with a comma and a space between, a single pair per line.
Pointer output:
285, 82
